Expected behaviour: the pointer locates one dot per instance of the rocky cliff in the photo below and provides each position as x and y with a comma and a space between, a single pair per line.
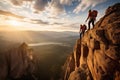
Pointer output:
96, 55
17, 64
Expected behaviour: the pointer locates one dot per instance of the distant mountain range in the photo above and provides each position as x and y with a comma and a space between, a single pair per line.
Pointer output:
35, 36
8, 38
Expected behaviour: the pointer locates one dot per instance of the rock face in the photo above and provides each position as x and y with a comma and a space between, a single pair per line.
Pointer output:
17, 64
97, 54
68, 67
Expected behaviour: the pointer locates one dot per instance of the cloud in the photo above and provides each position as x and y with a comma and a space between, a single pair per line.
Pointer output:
55, 8
18, 2
84, 4
37, 5
66, 2
6, 13
38, 21
56, 23
50, 7
40, 5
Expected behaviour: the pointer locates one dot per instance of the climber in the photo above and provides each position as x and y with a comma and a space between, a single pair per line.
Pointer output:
82, 30
92, 17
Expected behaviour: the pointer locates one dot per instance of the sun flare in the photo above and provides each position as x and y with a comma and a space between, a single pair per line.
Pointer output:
14, 23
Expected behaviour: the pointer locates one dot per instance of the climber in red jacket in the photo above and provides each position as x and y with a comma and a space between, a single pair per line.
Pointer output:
92, 17
82, 30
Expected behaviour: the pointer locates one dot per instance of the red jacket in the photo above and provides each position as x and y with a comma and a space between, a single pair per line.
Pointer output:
83, 28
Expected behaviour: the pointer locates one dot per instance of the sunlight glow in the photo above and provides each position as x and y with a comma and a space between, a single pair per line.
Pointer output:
14, 23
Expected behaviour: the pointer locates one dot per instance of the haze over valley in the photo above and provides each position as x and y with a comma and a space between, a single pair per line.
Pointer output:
50, 49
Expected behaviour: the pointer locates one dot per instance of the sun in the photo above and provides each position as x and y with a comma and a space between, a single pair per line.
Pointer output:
14, 22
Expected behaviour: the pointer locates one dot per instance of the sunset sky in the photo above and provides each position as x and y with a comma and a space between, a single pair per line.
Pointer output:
50, 15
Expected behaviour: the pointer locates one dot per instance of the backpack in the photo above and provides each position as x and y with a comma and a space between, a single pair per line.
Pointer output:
84, 27
94, 13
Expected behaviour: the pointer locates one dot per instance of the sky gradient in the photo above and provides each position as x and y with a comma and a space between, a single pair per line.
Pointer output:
48, 15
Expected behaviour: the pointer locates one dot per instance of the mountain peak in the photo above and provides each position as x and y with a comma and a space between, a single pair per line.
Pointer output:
18, 64
113, 8
96, 55
24, 45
